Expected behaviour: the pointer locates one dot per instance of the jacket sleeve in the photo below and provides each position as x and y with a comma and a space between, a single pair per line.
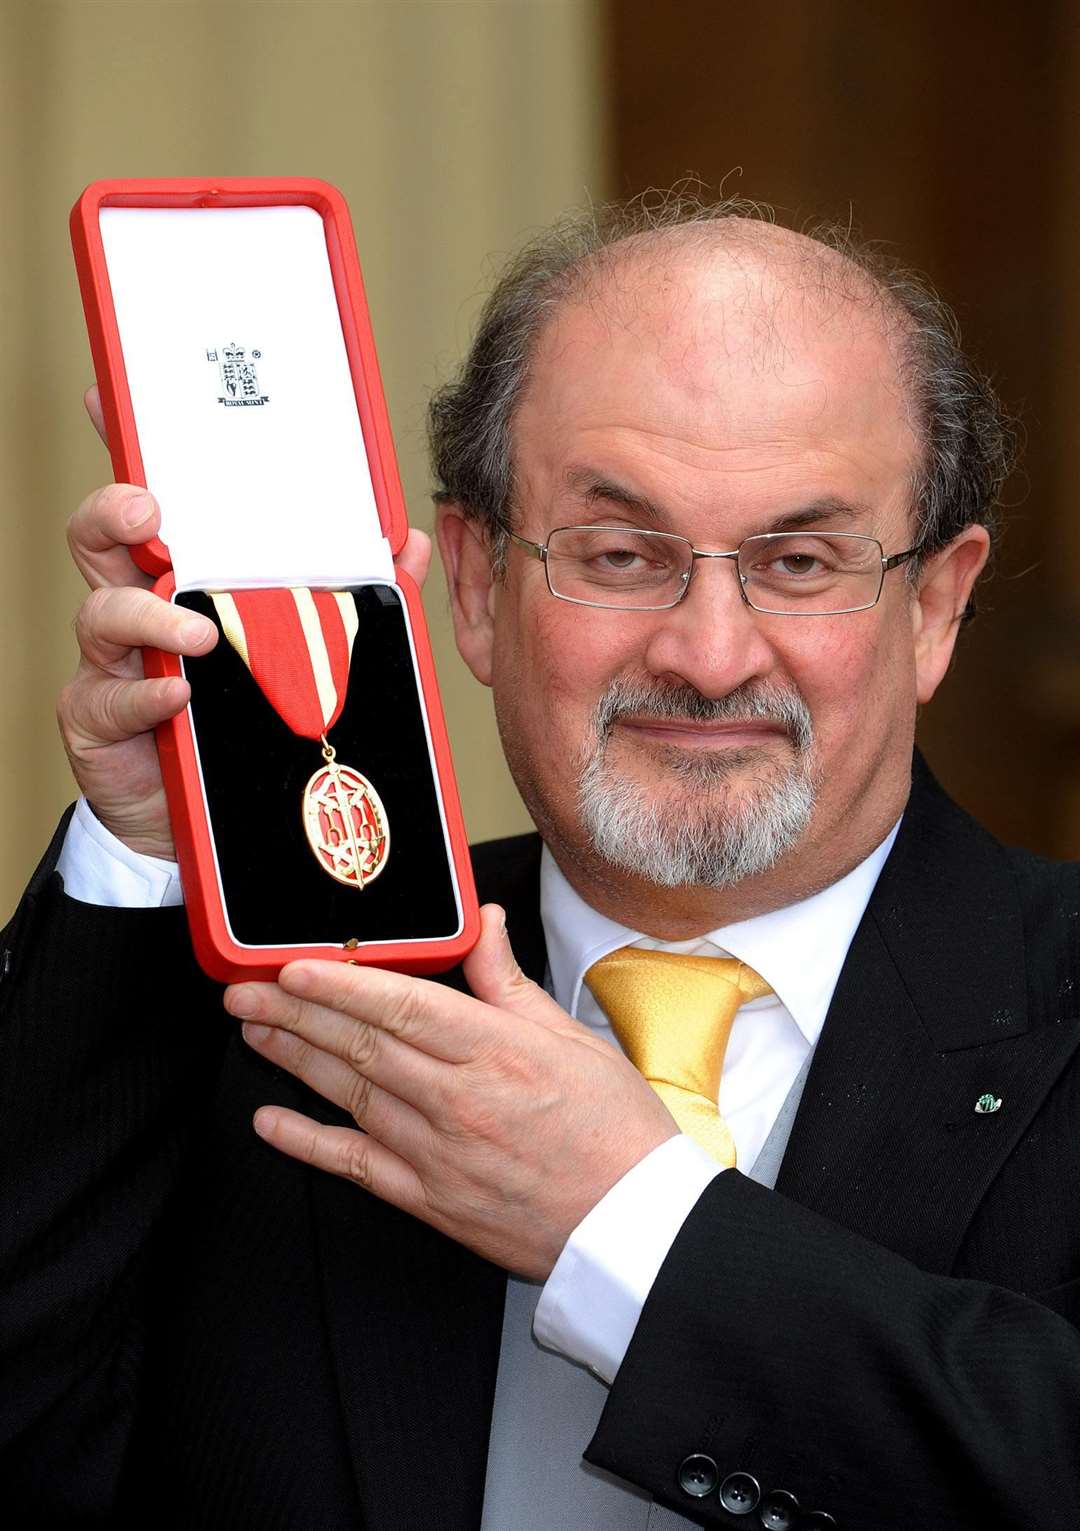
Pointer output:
780, 1346
109, 1042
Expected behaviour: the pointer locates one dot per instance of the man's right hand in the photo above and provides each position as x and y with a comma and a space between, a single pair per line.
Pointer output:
108, 712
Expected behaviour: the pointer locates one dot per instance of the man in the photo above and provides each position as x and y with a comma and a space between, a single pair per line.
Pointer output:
714, 500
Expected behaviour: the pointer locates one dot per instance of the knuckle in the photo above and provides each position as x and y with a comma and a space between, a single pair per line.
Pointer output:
85, 518
402, 1012
358, 1103
291, 1021
81, 516
89, 616
354, 1158
521, 986
361, 1045
121, 616
309, 1145
475, 1126
108, 706
75, 719
66, 703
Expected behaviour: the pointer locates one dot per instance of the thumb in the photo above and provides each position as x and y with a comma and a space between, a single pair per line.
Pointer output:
415, 556
92, 402
494, 976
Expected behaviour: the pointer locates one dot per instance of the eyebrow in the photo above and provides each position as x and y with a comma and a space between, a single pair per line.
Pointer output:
594, 488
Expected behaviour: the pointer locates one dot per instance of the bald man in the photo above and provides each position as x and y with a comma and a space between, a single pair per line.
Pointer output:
732, 1180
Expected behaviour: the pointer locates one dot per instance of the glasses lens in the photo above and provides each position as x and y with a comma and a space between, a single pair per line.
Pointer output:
816, 573
617, 566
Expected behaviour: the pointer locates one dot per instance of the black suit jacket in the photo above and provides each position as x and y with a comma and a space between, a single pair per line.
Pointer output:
198, 1332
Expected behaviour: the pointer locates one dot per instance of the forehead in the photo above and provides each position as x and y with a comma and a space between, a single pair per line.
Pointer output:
767, 363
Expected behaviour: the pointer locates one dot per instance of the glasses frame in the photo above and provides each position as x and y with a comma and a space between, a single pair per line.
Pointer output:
539, 550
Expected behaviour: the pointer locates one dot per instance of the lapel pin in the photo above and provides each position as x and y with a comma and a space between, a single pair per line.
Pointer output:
986, 1104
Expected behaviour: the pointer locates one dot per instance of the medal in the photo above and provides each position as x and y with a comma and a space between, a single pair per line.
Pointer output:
298, 644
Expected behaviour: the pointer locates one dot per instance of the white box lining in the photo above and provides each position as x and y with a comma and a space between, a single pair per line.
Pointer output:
251, 492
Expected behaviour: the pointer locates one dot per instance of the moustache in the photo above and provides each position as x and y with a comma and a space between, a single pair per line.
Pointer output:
753, 702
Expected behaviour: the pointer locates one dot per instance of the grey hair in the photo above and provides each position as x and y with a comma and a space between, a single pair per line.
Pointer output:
969, 443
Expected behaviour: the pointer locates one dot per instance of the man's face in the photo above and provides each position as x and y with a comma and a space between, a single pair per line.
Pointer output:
708, 398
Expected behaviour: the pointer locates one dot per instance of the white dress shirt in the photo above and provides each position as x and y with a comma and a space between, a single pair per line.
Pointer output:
97, 868
593, 1299
591, 1303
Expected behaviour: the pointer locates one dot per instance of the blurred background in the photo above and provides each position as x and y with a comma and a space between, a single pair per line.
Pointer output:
457, 127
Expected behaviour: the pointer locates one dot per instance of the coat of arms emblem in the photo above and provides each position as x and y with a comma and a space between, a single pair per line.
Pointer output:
238, 375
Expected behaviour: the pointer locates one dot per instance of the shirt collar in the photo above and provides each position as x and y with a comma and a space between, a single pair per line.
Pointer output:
799, 950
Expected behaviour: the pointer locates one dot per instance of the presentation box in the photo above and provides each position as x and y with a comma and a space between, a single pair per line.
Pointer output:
310, 785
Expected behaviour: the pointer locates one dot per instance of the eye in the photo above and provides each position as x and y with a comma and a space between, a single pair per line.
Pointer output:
612, 557
797, 563
618, 558
800, 559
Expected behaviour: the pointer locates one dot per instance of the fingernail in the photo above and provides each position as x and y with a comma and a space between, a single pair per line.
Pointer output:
138, 509
263, 1122
254, 1034
194, 632
241, 1002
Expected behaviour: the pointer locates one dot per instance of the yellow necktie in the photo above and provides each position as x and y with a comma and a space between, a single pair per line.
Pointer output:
673, 1016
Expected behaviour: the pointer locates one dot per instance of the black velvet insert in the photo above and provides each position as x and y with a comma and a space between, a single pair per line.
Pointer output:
255, 769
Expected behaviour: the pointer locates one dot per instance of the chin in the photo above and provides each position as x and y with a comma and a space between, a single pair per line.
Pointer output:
723, 817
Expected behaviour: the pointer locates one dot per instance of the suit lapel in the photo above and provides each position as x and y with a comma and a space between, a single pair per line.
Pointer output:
930, 1013
414, 1321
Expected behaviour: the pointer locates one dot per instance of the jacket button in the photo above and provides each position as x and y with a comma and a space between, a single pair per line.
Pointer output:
779, 1511
740, 1494
818, 1520
698, 1476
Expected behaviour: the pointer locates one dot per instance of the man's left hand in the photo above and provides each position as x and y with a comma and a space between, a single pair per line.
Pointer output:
497, 1119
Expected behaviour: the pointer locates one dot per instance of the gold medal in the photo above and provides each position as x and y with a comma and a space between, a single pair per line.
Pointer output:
298, 644
345, 822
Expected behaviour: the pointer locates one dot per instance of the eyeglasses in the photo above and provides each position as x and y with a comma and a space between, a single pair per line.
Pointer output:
810, 574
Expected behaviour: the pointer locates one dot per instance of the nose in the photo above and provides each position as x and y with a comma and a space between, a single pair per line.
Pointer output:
712, 640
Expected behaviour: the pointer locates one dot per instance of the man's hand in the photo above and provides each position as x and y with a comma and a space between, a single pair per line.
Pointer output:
499, 1120
108, 712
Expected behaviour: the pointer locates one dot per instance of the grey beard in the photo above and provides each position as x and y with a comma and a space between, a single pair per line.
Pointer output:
698, 840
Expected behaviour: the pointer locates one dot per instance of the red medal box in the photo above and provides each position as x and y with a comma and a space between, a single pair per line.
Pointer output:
309, 781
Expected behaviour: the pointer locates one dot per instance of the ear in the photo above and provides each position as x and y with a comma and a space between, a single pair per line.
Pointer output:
470, 583
944, 588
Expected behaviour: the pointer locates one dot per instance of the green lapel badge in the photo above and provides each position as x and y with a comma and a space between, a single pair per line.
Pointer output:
987, 1104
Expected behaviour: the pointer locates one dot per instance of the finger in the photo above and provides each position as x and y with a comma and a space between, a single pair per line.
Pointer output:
355, 1156
493, 974
97, 709
92, 401
426, 1016
408, 1073
106, 524
393, 1121
113, 622
415, 556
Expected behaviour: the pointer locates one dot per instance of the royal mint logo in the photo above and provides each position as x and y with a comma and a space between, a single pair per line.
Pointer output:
239, 376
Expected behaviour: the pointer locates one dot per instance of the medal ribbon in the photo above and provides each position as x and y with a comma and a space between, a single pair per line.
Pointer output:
298, 645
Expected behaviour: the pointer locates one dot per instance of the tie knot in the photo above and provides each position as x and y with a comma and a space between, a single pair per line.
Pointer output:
672, 1013
673, 1016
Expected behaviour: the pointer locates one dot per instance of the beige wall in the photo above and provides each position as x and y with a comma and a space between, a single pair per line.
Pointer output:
451, 127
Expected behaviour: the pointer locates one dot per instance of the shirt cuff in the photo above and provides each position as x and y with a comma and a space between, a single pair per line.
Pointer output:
97, 868
591, 1302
